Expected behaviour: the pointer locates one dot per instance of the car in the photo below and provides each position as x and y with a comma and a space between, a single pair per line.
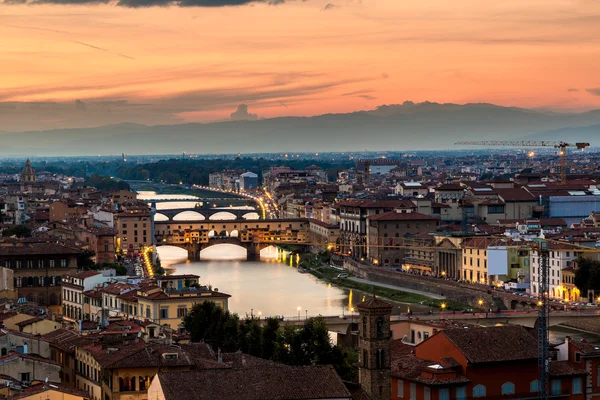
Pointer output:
342, 276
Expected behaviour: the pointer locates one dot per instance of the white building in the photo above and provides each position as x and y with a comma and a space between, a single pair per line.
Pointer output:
73, 288
561, 256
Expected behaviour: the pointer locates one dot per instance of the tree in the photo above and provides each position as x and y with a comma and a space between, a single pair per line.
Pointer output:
84, 259
269, 337
20, 231
587, 275
210, 323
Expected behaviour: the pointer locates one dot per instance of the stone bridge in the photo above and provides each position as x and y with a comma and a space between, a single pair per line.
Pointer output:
200, 213
253, 235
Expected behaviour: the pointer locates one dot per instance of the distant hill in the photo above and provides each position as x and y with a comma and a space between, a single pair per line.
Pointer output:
406, 126
590, 134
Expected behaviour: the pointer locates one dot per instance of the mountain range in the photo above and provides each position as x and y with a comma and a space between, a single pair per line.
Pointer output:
406, 126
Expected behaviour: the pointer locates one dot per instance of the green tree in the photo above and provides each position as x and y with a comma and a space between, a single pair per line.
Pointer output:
210, 323
269, 337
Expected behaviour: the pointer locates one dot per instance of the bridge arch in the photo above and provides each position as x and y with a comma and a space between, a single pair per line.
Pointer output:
189, 216
160, 217
224, 251
222, 216
218, 233
251, 215
234, 233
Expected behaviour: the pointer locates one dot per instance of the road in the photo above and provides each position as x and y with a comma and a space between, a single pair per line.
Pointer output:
384, 285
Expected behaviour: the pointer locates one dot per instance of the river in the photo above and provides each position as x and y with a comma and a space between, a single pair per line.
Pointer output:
270, 286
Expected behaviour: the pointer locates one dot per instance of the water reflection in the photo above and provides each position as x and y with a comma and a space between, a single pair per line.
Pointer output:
272, 286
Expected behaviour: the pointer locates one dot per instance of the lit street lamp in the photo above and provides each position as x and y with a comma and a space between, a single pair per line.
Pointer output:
299, 308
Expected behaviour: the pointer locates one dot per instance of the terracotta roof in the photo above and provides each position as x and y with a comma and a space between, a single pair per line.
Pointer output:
377, 203
23, 248
515, 195
493, 344
565, 368
45, 387
449, 187
86, 274
273, 383
374, 303
64, 339
396, 216
29, 321
34, 357
411, 368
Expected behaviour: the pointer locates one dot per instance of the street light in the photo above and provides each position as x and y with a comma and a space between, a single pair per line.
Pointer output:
480, 302
306, 314
299, 308
443, 305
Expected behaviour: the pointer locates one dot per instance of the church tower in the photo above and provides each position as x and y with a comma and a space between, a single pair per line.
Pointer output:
374, 373
28, 173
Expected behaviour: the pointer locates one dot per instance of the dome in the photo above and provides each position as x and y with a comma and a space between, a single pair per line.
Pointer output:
28, 173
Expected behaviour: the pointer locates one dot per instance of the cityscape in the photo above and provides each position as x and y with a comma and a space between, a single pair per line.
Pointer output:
299, 200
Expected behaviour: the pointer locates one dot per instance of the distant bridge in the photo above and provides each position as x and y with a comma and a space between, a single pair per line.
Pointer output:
253, 235
203, 213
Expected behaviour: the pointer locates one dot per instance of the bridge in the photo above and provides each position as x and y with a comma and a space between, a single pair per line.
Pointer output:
253, 235
202, 213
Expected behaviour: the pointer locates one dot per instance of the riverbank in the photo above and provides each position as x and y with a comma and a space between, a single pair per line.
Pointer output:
329, 275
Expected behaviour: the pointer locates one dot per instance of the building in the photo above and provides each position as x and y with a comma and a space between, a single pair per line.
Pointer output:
414, 331
74, 286
123, 197
353, 216
44, 390
387, 232
134, 229
39, 266
324, 235
493, 362
561, 256
411, 189
496, 261
28, 173
27, 368
374, 348
248, 181
586, 356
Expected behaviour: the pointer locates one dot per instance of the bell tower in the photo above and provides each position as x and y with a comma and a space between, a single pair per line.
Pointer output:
374, 373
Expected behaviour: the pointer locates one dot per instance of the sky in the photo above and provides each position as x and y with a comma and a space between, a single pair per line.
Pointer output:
80, 63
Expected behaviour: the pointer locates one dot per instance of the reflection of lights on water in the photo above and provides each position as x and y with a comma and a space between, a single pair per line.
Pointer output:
350, 300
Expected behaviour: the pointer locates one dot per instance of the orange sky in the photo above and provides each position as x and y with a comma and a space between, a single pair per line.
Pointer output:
171, 64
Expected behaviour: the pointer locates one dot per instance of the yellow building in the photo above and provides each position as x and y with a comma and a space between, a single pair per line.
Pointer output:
511, 261
168, 305
569, 290
43, 390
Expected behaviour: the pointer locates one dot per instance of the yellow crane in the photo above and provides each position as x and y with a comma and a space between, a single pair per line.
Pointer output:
562, 146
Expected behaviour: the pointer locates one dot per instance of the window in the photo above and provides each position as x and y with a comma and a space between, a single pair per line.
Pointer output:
461, 393
576, 386
498, 209
400, 388
164, 312
577, 357
508, 388
556, 389
426, 393
380, 360
379, 324
181, 312
479, 391
365, 359
364, 327
534, 386
444, 394
24, 376
413, 391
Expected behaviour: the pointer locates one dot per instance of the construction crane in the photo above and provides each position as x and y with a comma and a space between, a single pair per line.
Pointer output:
562, 146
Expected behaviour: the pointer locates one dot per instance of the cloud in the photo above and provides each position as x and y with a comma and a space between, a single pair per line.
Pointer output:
242, 114
572, 90
190, 3
367, 97
329, 6
357, 92
594, 91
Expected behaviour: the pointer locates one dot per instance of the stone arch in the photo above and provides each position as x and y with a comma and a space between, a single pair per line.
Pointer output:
222, 216
158, 217
514, 304
251, 215
189, 216
234, 233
